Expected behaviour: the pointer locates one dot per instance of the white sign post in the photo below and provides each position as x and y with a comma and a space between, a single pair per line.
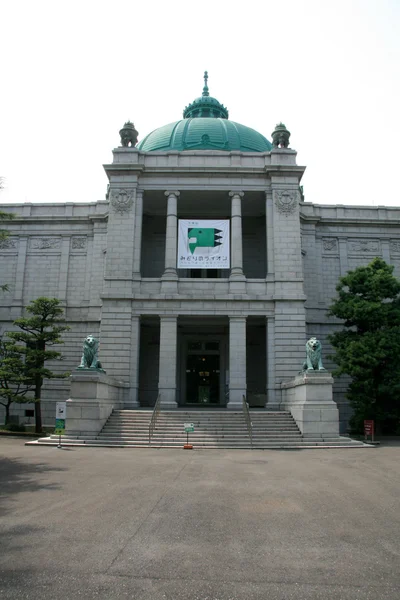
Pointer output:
188, 428
203, 244
61, 414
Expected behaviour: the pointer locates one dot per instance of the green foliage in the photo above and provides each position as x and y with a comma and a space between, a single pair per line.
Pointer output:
15, 384
42, 328
14, 427
368, 349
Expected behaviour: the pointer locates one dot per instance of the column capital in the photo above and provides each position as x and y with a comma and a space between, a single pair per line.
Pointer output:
238, 193
140, 191
172, 193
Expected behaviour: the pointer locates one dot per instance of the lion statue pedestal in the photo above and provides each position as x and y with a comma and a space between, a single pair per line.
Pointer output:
93, 396
309, 398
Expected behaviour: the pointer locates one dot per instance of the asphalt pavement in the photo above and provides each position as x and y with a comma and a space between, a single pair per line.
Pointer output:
164, 524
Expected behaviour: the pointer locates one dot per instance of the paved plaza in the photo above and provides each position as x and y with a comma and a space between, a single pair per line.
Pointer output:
199, 525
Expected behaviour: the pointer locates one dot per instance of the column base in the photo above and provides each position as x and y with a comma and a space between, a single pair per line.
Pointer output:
273, 401
235, 401
169, 282
170, 275
237, 281
168, 399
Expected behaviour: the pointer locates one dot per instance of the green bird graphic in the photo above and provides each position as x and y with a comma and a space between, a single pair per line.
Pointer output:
206, 237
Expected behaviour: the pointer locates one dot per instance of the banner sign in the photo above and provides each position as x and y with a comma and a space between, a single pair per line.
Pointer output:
61, 413
203, 244
369, 428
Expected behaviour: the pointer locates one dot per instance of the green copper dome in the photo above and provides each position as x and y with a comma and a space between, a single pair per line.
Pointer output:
205, 126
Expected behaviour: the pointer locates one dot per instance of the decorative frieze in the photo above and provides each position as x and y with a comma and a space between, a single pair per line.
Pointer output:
78, 243
45, 243
8, 243
286, 201
364, 247
122, 200
330, 245
394, 246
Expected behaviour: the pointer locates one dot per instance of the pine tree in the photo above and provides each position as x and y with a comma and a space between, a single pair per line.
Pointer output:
368, 348
14, 383
41, 329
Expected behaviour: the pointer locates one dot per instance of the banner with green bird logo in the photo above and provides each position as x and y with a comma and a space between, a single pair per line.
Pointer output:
203, 244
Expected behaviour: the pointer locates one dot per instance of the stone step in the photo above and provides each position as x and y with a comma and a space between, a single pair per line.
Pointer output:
256, 427
293, 445
200, 438
218, 430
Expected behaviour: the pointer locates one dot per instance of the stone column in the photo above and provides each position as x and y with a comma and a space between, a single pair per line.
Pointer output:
137, 240
133, 400
269, 215
21, 260
237, 277
344, 267
386, 251
168, 353
237, 362
170, 276
63, 273
272, 399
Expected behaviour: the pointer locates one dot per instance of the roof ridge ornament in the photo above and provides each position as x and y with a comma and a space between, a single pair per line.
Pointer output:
205, 88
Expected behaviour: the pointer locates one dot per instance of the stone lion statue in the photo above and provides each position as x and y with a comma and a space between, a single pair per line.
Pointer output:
90, 358
313, 354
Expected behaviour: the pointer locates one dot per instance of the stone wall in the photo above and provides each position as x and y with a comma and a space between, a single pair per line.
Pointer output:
72, 251
336, 239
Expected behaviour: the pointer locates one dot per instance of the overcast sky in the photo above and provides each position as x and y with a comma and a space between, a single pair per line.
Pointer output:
73, 72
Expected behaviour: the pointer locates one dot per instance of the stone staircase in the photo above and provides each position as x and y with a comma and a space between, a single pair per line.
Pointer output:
212, 429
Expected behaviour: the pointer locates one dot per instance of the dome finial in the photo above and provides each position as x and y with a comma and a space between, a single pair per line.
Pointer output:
206, 106
205, 88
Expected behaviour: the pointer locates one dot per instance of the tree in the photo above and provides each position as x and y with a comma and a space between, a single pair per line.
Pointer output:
14, 382
3, 233
38, 331
368, 348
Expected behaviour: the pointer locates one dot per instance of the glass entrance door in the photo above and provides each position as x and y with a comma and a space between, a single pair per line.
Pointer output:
202, 379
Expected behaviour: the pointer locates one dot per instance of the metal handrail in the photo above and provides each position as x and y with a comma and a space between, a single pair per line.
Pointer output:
249, 424
153, 420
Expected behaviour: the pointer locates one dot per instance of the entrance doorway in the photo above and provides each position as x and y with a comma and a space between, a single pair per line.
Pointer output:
203, 364
202, 379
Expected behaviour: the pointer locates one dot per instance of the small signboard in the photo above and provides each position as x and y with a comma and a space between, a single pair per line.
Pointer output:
188, 427
61, 410
369, 429
61, 413
60, 426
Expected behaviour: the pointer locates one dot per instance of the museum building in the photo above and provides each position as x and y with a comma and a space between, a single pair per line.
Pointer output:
203, 272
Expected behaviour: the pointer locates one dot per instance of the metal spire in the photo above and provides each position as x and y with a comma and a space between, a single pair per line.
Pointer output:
205, 88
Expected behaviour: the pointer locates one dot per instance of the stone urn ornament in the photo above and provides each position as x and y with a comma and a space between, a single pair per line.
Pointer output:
281, 136
129, 135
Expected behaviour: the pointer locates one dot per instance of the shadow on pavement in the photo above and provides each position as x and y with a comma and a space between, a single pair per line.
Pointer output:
17, 476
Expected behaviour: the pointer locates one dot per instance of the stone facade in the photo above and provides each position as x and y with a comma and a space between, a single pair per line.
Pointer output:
113, 265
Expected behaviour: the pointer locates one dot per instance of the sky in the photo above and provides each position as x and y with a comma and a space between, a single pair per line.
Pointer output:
73, 72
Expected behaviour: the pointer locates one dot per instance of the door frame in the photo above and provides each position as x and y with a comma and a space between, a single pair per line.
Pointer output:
184, 351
